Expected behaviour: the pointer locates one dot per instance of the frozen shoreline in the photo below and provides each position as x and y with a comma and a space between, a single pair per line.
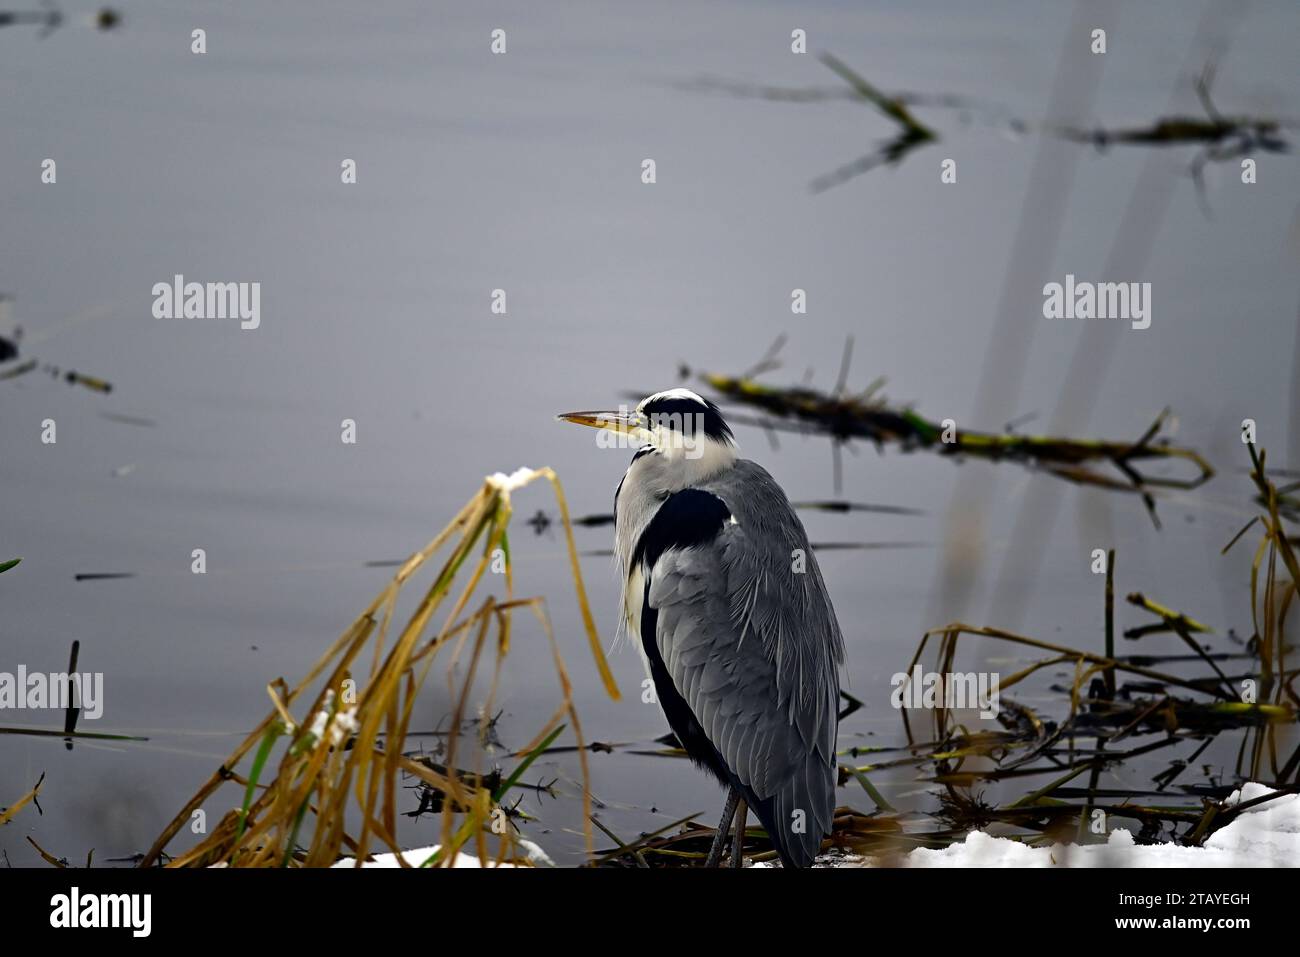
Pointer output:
1264, 836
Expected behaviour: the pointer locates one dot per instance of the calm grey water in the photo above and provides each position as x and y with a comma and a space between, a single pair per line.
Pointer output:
522, 172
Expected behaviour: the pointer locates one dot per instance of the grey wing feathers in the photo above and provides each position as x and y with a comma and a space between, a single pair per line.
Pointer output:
753, 648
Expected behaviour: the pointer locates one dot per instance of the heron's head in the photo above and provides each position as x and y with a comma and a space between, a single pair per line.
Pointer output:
678, 424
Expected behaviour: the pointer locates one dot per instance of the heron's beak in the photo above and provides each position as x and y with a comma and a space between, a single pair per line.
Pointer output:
624, 423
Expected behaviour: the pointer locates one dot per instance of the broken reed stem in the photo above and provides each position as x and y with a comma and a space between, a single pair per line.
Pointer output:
1110, 621
8, 814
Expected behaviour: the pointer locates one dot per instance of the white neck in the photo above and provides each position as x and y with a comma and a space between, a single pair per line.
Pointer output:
679, 465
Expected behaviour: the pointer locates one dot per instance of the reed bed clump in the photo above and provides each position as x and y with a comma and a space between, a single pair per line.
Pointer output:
318, 776
1115, 699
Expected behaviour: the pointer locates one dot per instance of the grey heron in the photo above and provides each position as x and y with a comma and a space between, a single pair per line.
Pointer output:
724, 599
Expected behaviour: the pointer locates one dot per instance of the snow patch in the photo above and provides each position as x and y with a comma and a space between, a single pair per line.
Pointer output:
416, 856
1267, 835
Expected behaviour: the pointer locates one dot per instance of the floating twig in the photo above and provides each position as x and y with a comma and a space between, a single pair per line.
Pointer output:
867, 416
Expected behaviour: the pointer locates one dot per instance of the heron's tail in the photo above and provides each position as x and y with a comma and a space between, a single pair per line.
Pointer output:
799, 815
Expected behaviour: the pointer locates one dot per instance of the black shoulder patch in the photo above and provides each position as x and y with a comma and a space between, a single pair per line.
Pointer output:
687, 518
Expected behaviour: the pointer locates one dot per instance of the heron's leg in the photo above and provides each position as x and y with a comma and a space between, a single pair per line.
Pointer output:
724, 828
738, 848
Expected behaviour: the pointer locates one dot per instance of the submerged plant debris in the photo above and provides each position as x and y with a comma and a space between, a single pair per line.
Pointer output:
912, 133
13, 365
1220, 137
51, 18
